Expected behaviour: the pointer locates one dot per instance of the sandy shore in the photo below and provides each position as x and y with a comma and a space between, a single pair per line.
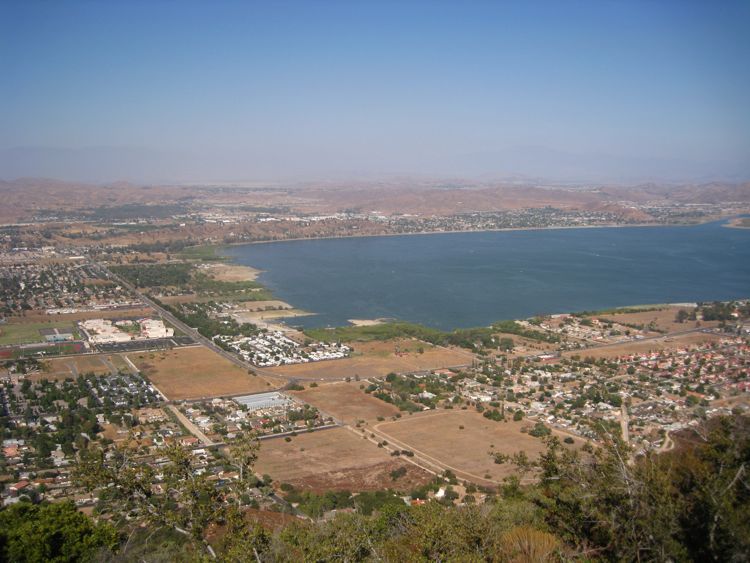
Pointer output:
739, 223
366, 322
232, 272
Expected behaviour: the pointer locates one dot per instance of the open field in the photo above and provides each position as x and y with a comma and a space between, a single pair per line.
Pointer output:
27, 333
231, 272
334, 459
644, 346
63, 368
262, 317
264, 305
346, 402
196, 372
462, 441
377, 359
663, 319
525, 346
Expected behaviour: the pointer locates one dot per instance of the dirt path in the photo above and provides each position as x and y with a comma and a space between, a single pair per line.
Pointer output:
428, 459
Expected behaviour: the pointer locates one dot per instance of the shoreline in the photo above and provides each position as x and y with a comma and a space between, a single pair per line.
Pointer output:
738, 223
501, 230
372, 322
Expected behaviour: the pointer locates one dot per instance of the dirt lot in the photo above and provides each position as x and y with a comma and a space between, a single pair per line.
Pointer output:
525, 346
377, 359
439, 436
62, 368
346, 401
197, 372
265, 305
335, 459
231, 272
663, 319
640, 347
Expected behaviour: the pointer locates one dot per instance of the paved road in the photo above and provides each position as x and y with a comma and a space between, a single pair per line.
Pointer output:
192, 428
190, 331
207, 342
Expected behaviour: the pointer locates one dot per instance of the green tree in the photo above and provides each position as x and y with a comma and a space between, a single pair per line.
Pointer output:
184, 501
52, 532
243, 450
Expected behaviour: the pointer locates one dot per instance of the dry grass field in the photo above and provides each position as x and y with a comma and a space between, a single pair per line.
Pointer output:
175, 299
462, 441
58, 369
346, 402
197, 372
663, 319
377, 359
334, 459
640, 347
525, 346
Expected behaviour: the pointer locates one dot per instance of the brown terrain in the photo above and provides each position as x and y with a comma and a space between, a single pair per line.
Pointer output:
346, 402
377, 359
462, 441
25, 198
71, 367
335, 459
667, 342
197, 372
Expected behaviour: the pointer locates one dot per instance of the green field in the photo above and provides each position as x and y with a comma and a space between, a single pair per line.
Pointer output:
27, 333
208, 253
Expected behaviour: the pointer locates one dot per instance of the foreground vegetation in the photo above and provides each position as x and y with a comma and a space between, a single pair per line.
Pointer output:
692, 504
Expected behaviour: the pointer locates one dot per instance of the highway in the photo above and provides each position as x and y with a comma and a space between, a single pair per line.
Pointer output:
190, 331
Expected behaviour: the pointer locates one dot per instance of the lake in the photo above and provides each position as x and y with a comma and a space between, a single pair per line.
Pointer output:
457, 280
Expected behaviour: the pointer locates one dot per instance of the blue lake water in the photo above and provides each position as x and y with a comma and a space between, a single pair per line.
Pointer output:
456, 280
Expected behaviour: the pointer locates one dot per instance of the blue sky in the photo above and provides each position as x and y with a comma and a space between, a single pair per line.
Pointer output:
246, 90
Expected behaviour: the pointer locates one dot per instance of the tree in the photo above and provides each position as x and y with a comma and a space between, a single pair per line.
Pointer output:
243, 450
52, 532
689, 504
183, 500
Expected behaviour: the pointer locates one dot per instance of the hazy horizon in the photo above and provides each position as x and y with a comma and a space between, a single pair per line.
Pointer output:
164, 92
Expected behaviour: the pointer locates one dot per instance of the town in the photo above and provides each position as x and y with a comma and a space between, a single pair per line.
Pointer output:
121, 336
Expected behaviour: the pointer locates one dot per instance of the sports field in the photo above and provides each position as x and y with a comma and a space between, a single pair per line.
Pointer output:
13, 333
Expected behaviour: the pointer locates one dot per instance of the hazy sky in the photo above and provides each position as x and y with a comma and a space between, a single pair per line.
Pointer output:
241, 90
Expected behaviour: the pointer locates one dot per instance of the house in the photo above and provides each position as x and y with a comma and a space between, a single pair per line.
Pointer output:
18, 488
